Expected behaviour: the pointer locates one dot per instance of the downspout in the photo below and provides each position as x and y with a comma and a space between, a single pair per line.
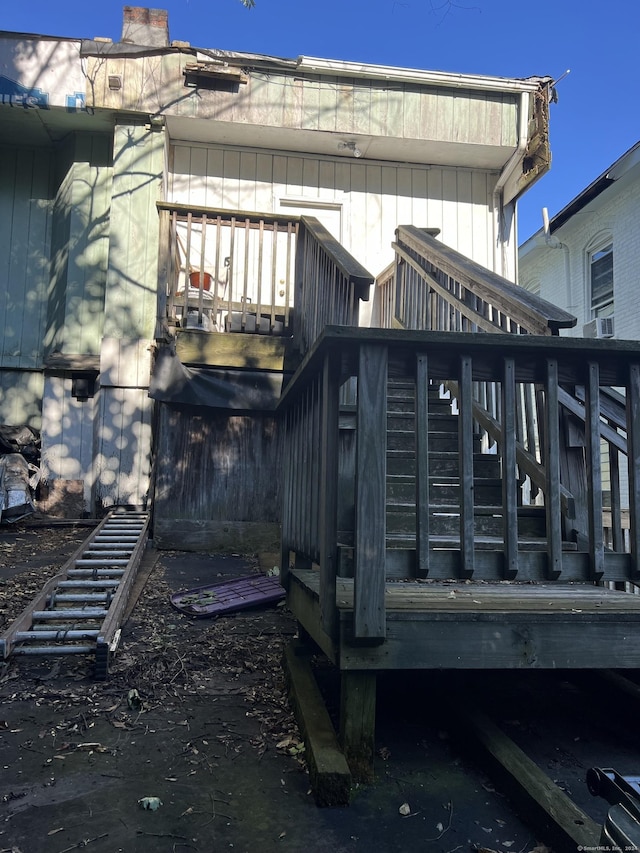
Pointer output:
554, 243
505, 174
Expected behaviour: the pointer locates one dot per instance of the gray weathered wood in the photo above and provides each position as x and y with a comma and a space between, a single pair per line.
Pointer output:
633, 435
594, 470
357, 722
617, 538
465, 452
509, 473
328, 769
526, 784
552, 466
328, 482
530, 312
371, 470
422, 464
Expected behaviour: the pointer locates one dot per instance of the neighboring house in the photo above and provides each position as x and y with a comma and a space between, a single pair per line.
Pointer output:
587, 260
93, 134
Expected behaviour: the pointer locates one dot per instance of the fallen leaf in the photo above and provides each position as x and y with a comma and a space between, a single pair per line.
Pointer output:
405, 809
150, 803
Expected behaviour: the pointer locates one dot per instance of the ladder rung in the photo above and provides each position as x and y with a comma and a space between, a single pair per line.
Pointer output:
72, 613
61, 629
76, 634
100, 563
53, 650
103, 583
126, 530
117, 540
99, 552
89, 597
95, 573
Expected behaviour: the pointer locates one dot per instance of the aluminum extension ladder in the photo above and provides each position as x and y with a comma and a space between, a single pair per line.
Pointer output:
79, 610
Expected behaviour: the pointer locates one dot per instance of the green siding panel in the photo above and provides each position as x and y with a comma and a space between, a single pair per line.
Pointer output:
130, 305
26, 178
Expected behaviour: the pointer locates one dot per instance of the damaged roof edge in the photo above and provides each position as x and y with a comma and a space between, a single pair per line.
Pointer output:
332, 67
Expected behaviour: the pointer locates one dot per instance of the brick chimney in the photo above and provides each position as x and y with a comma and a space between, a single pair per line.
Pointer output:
147, 27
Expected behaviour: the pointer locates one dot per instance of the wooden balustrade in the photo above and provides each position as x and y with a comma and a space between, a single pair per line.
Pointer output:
234, 271
340, 282
316, 463
228, 271
430, 286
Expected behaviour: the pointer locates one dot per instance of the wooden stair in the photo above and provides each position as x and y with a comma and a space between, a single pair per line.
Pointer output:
444, 492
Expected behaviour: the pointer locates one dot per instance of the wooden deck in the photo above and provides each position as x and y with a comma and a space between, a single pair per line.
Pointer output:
460, 625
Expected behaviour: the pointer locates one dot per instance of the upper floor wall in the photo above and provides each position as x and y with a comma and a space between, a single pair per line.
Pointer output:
315, 105
360, 202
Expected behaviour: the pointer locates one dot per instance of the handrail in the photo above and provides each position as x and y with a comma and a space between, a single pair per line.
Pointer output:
352, 269
483, 298
330, 283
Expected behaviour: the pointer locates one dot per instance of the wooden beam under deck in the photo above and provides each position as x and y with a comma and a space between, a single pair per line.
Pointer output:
486, 625
257, 352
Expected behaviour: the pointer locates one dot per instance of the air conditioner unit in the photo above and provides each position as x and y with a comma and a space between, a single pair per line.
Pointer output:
601, 327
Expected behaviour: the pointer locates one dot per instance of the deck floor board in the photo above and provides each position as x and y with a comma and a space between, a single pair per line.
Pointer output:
480, 597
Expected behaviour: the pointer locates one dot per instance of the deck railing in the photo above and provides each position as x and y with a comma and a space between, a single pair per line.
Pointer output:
234, 271
320, 474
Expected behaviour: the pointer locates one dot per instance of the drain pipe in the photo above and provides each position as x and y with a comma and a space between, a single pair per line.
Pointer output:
554, 243
505, 174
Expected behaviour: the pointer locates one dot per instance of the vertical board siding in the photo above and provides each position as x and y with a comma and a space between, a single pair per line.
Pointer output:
130, 304
21, 397
26, 180
376, 198
67, 444
209, 463
123, 458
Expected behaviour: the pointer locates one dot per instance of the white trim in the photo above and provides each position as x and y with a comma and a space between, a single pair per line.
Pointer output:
415, 75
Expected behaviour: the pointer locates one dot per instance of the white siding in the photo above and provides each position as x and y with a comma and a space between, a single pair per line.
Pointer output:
375, 197
617, 214
67, 438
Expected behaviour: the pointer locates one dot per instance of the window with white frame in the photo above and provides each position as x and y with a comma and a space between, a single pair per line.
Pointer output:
600, 265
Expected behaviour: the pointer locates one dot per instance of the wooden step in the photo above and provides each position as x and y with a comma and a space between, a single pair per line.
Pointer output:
443, 463
439, 441
444, 490
439, 421
401, 519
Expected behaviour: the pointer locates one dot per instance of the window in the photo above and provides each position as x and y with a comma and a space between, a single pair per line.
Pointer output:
601, 281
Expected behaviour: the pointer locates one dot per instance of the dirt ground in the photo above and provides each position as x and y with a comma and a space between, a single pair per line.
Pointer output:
194, 723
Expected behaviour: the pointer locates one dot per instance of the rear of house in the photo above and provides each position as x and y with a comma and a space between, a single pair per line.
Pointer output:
95, 133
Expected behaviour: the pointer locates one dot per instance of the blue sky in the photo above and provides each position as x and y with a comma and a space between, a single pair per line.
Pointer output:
596, 119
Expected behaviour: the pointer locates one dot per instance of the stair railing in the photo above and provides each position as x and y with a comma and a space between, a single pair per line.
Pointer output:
332, 473
432, 287
340, 282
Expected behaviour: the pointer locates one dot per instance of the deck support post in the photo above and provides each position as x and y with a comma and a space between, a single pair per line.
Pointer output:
369, 620
358, 722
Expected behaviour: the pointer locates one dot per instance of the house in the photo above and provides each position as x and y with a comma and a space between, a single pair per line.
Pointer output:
274, 298
586, 260
94, 133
